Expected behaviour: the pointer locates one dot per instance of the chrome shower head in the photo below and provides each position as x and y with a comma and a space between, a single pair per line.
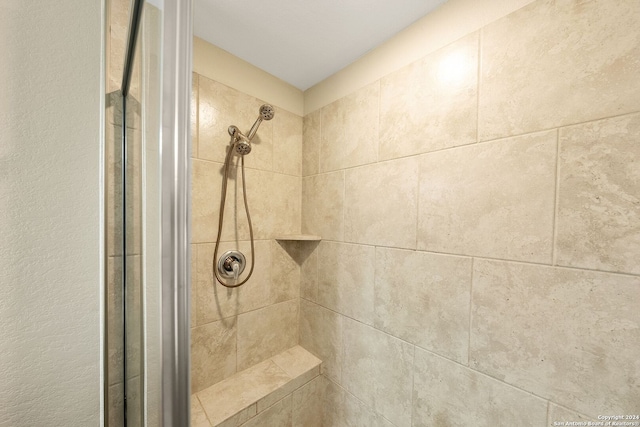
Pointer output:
266, 113
242, 144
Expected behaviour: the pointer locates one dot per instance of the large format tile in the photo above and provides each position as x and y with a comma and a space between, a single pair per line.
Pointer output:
273, 199
274, 203
554, 63
309, 274
198, 417
307, 404
266, 332
494, 199
558, 414
346, 279
349, 134
424, 299
206, 182
377, 369
381, 204
194, 115
341, 408
558, 332
277, 415
432, 103
220, 107
321, 334
598, 225
287, 143
449, 394
285, 275
323, 205
213, 354
234, 398
311, 128
217, 302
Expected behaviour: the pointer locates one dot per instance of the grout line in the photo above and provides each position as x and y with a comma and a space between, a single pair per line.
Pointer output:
514, 261
483, 374
557, 126
548, 412
556, 202
462, 146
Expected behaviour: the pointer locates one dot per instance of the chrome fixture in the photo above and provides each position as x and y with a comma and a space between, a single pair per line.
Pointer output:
242, 143
232, 263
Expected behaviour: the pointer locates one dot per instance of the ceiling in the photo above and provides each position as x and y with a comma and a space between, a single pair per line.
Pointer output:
304, 41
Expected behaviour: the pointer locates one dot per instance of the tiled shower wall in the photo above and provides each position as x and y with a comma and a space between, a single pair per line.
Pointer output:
480, 215
235, 329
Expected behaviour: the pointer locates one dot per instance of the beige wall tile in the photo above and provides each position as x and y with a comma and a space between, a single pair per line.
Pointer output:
494, 199
554, 63
449, 394
381, 204
213, 354
558, 414
350, 130
424, 299
307, 404
194, 115
598, 225
198, 417
309, 274
432, 103
229, 399
285, 275
300, 365
377, 368
321, 334
206, 188
266, 332
277, 415
274, 203
346, 281
556, 332
341, 408
194, 285
287, 143
311, 143
323, 205
296, 361
217, 302
220, 107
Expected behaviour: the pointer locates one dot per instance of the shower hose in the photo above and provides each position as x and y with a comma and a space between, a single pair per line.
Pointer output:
223, 197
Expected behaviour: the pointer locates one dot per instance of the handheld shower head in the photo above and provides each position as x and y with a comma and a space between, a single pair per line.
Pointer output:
266, 113
242, 145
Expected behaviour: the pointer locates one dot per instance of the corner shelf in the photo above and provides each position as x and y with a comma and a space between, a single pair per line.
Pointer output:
299, 237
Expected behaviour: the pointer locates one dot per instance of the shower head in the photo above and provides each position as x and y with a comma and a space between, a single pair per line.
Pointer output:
242, 144
266, 113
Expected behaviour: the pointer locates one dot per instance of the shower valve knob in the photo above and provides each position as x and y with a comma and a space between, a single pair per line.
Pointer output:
226, 263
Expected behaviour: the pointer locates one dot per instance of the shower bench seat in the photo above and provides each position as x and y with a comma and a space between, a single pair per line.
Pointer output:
247, 394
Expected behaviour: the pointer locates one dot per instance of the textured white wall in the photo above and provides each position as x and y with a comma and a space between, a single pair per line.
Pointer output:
50, 212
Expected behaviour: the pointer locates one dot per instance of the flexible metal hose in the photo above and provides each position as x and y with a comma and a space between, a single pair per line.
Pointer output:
223, 197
